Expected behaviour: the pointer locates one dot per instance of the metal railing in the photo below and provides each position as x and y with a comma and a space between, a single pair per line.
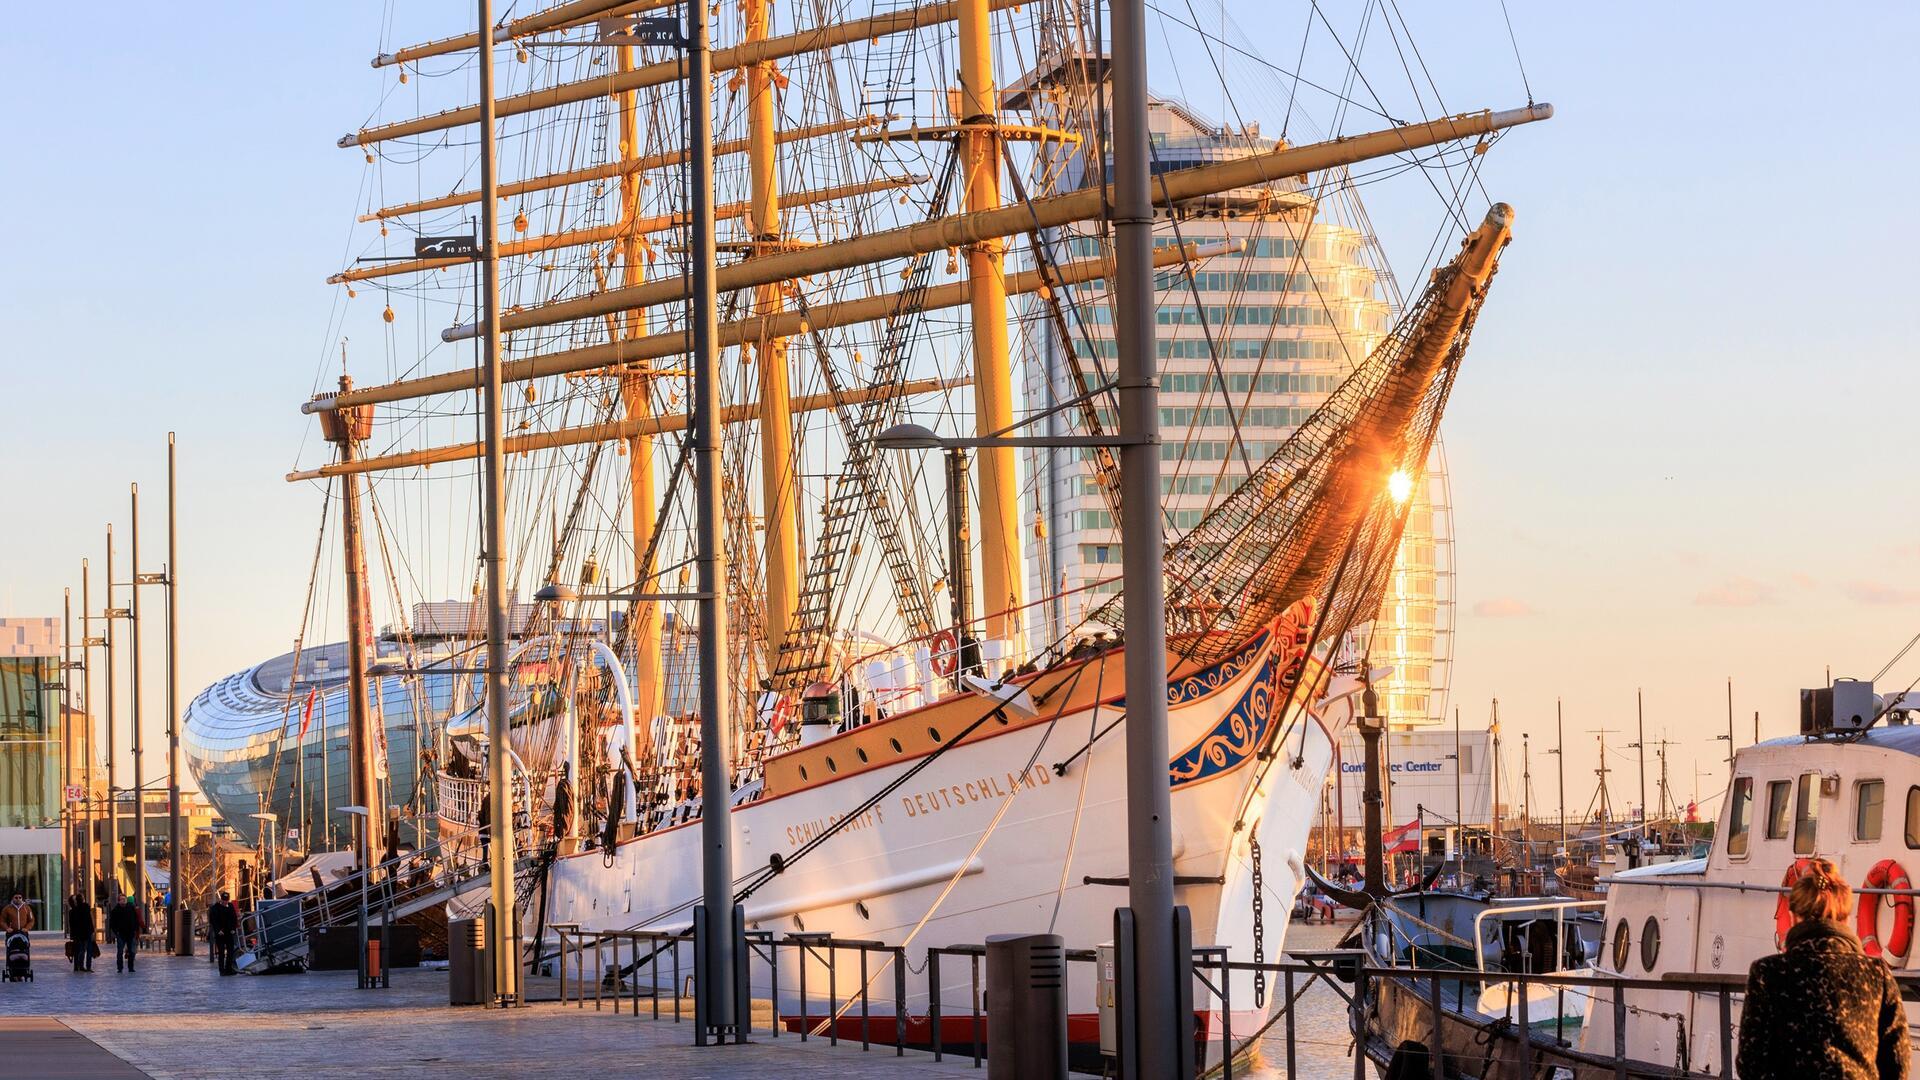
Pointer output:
1434, 1007
622, 966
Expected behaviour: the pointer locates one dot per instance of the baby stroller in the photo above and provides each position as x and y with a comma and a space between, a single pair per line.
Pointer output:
19, 958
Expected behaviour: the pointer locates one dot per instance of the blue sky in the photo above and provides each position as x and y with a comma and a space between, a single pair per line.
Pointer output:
1678, 450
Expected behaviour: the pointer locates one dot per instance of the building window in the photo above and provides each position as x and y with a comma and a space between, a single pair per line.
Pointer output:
1777, 802
1806, 814
1740, 818
1869, 800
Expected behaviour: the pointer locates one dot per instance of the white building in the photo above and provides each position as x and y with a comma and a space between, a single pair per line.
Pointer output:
1283, 320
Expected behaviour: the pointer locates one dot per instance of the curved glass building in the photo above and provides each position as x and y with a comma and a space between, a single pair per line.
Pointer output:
244, 741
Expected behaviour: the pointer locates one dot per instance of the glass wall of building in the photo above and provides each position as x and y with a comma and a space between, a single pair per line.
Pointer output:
30, 788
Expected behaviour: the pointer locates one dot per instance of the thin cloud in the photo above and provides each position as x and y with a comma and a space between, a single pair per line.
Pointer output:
1877, 592
1503, 607
1735, 592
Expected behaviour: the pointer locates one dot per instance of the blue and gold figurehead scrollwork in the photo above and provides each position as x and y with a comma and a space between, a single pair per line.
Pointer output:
1245, 728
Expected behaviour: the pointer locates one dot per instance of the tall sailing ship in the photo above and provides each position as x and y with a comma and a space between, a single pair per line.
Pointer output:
927, 713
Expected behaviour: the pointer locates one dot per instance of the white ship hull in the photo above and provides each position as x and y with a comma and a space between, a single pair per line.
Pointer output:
1020, 848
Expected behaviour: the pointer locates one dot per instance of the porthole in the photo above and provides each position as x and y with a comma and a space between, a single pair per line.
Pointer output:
1620, 947
831, 767
1649, 942
933, 733
861, 754
895, 743
803, 772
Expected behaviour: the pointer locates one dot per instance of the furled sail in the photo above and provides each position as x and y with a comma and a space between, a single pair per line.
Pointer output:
1322, 517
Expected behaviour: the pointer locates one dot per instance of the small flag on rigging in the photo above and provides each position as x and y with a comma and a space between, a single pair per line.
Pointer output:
306, 711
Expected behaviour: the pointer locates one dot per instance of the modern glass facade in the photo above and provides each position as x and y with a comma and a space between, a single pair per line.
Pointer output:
31, 793
1249, 346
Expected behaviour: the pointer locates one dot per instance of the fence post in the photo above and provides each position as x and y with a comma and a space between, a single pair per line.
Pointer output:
805, 1023
933, 999
1526, 1040
700, 932
1292, 1064
1226, 1020
1726, 1031
1359, 1024
1437, 1048
1619, 1032
742, 991
899, 1002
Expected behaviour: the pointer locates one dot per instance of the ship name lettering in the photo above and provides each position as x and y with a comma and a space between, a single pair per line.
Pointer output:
801, 832
923, 803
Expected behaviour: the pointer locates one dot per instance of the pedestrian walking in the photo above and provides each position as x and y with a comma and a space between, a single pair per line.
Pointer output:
16, 916
1822, 1009
80, 933
124, 923
223, 930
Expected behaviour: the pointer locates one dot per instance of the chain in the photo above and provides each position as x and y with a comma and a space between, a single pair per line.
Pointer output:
1259, 926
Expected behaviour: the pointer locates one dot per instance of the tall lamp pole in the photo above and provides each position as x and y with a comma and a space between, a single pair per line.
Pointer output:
91, 850
720, 1007
139, 784
114, 850
500, 933
176, 838
1161, 967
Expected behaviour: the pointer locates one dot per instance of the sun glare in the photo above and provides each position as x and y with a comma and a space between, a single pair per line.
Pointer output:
1400, 485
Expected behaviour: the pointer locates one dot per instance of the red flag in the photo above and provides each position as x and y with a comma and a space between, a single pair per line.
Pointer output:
1404, 839
306, 711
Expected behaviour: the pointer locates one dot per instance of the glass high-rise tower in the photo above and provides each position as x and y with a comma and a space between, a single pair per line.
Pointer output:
1296, 302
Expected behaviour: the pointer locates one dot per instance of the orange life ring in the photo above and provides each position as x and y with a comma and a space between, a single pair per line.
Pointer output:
1782, 917
945, 649
1886, 874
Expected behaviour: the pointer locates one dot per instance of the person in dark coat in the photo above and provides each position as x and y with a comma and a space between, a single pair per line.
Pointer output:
123, 924
223, 930
1822, 1009
80, 932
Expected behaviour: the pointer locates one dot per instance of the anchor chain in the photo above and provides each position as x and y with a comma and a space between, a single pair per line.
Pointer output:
1259, 926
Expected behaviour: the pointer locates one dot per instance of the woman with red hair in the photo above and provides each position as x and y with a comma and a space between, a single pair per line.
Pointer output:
1822, 1009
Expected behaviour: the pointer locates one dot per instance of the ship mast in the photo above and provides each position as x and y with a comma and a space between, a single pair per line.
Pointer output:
636, 397
778, 479
346, 428
1002, 577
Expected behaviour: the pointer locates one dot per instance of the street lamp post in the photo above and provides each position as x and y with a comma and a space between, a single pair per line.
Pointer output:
182, 941
139, 882
114, 848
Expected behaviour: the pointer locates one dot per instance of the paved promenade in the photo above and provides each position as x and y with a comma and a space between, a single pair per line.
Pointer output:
175, 1019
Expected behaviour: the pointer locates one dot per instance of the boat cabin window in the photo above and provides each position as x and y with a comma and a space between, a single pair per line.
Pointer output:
1740, 818
1869, 800
1778, 793
1806, 813
1913, 817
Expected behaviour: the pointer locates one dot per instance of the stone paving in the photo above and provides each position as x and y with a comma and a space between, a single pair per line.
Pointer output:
176, 1019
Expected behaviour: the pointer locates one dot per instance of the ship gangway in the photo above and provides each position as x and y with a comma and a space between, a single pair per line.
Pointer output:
277, 935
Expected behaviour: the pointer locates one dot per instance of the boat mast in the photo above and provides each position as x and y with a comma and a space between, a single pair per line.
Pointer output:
779, 481
716, 981
500, 931
1002, 575
636, 397
345, 428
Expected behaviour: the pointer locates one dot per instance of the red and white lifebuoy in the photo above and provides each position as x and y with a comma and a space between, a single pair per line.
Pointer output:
1782, 916
1886, 874
945, 648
